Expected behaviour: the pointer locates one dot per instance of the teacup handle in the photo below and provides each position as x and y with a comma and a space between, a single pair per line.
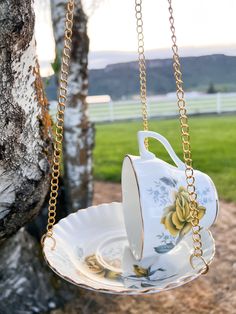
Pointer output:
145, 154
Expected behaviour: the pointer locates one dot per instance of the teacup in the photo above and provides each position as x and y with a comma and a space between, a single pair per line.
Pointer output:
156, 202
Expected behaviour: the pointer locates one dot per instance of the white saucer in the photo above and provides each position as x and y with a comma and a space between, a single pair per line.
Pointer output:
92, 252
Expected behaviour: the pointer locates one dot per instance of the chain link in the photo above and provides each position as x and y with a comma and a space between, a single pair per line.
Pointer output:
65, 63
142, 65
190, 179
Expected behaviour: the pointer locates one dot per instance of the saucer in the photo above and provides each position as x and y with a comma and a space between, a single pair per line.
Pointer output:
92, 252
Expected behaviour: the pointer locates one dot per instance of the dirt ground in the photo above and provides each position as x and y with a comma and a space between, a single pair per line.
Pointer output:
214, 293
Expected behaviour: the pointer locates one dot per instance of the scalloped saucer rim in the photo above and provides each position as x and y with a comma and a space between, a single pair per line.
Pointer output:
102, 260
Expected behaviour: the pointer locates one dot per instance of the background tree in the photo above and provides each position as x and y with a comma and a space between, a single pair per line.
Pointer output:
211, 89
79, 132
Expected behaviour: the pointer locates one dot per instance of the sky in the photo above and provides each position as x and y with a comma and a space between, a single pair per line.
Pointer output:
112, 26
198, 23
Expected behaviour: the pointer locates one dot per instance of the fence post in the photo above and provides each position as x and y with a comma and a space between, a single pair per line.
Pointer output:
218, 103
111, 111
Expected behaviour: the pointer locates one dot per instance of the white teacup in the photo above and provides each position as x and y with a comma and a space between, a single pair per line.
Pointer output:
155, 200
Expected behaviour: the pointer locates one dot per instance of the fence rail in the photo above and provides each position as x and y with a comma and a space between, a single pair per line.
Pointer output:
164, 106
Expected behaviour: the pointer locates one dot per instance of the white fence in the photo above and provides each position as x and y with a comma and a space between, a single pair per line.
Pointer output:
164, 106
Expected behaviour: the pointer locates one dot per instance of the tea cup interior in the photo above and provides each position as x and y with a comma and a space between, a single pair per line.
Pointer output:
132, 208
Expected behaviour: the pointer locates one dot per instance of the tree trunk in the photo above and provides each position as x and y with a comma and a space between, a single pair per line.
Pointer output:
79, 132
25, 146
27, 285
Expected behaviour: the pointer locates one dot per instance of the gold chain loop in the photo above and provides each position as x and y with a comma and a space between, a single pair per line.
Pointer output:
190, 179
142, 65
65, 63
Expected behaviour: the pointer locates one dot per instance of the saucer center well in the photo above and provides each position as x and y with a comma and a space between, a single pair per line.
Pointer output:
110, 251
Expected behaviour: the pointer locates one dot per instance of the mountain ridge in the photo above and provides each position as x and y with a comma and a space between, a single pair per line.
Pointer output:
121, 80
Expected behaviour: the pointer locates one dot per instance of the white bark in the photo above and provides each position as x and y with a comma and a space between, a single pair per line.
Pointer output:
24, 147
79, 132
27, 285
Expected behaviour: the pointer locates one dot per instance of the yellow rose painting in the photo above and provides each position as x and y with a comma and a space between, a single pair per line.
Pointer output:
95, 267
176, 218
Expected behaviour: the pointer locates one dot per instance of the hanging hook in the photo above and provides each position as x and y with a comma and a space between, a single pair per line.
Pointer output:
48, 235
205, 269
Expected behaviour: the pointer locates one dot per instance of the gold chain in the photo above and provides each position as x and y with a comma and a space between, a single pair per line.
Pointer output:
65, 63
142, 65
190, 179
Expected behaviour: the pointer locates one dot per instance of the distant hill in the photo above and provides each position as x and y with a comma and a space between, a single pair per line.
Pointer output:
100, 59
121, 80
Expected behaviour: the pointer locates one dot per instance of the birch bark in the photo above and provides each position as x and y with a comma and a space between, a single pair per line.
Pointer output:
25, 147
26, 283
79, 132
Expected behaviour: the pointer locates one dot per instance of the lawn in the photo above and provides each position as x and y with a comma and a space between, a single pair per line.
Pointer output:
213, 142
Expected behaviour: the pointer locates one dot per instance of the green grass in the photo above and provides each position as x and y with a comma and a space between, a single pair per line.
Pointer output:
213, 142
